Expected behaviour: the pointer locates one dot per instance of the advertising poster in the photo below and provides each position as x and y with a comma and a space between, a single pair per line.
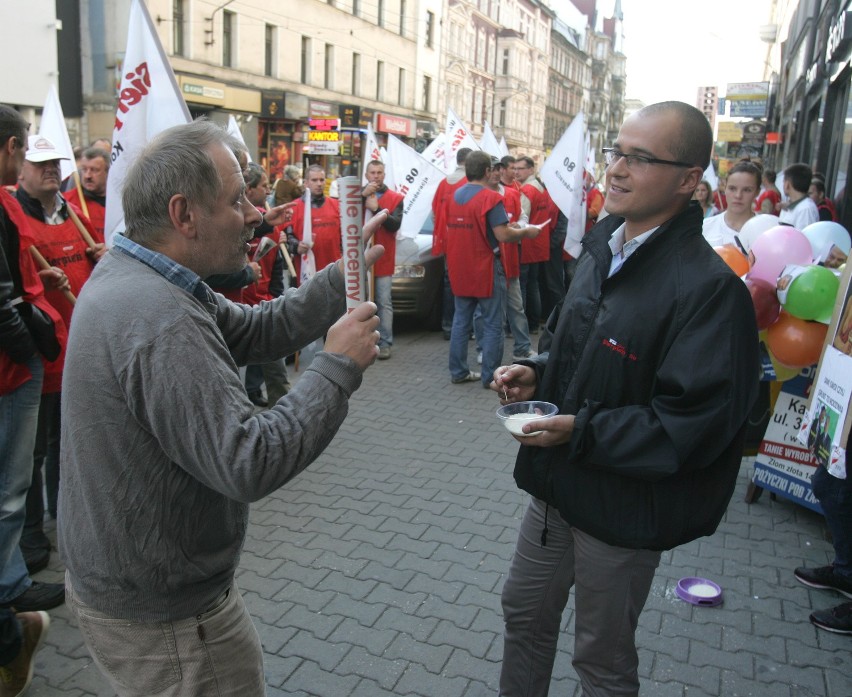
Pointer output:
783, 465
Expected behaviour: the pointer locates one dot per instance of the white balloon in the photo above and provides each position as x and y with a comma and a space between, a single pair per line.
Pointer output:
823, 234
755, 227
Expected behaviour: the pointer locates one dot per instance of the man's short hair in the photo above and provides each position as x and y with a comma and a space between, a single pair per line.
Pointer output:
94, 153
527, 160
694, 143
507, 160
799, 175
253, 174
819, 185
770, 175
376, 163
178, 161
462, 154
315, 168
292, 172
12, 125
476, 165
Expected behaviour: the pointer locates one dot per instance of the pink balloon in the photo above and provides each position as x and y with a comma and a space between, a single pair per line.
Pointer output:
776, 248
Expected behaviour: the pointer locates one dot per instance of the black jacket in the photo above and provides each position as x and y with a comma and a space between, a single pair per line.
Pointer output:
660, 366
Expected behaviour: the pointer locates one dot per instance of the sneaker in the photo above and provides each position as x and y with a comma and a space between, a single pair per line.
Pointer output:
384, 353
824, 577
257, 399
479, 357
834, 619
39, 596
470, 377
16, 676
524, 356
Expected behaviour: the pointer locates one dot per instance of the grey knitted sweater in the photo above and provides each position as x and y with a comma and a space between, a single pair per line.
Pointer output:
161, 450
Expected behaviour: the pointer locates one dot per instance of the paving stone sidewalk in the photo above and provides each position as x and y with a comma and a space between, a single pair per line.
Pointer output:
378, 570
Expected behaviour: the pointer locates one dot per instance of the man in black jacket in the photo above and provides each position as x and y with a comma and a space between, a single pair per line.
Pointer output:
652, 360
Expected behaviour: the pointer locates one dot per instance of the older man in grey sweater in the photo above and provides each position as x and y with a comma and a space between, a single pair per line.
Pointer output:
162, 451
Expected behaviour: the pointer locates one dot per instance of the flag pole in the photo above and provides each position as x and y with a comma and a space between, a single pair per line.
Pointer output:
84, 233
43, 263
83, 204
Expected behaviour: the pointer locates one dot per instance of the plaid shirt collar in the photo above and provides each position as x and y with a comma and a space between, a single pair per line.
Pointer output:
169, 269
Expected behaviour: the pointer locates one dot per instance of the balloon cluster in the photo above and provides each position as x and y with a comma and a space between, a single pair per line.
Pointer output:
794, 308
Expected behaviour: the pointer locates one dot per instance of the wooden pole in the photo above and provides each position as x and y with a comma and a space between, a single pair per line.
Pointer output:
42, 262
292, 269
84, 233
83, 204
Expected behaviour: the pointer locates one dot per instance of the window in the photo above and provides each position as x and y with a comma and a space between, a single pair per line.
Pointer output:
430, 29
427, 92
328, 71
380, 80
402, 17
400, 97
356, 74
269, 50
356, 8
306, 56
380, 13
178, 17
501, 116
228, 26
505, 61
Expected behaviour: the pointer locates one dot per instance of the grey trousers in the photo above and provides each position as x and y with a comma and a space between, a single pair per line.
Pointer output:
611, 587
215, 654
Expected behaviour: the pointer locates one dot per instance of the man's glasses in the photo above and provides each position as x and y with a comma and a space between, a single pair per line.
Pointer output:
638, 162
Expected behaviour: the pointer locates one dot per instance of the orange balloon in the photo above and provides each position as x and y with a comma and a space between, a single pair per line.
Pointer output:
734, 258
794, 342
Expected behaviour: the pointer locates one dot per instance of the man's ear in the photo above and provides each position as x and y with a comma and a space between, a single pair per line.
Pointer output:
182, 216
691, 179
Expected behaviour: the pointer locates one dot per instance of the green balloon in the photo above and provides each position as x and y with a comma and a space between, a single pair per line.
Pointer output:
811, 295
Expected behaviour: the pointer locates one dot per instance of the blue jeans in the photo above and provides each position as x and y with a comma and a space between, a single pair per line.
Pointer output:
492, 329
517, 319
449, 306
835, 497
385, 311
18, 425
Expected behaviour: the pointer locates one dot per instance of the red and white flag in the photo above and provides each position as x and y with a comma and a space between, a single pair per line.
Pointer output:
417, 181
371, 152
458, 137
149, 101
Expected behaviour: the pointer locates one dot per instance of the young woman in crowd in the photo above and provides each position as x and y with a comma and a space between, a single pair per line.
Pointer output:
741, 189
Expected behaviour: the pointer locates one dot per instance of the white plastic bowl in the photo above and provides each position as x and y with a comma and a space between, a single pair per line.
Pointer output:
515, 415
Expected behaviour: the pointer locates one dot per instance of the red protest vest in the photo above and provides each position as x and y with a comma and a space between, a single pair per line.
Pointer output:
13, 375
443, 194
470, 258
325, 230
253, 293
97, 213
538, 249
510, 251
385, 265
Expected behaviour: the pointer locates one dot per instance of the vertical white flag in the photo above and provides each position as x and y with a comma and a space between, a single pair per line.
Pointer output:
53, 128
234, 131
710, 176
149, 102
489, 142
390, 177
371, 152
434, 152
417, 181
504, 149
458, 137
562, 173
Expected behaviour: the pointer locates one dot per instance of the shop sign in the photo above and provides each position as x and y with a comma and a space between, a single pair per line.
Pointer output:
323, 148
398, 125
320, 109
205, 91
748, 99
839, 38
355, 116
323, 136
272, 105
729, 132
324, 124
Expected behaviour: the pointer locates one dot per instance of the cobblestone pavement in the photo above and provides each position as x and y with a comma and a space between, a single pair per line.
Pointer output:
378, 570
